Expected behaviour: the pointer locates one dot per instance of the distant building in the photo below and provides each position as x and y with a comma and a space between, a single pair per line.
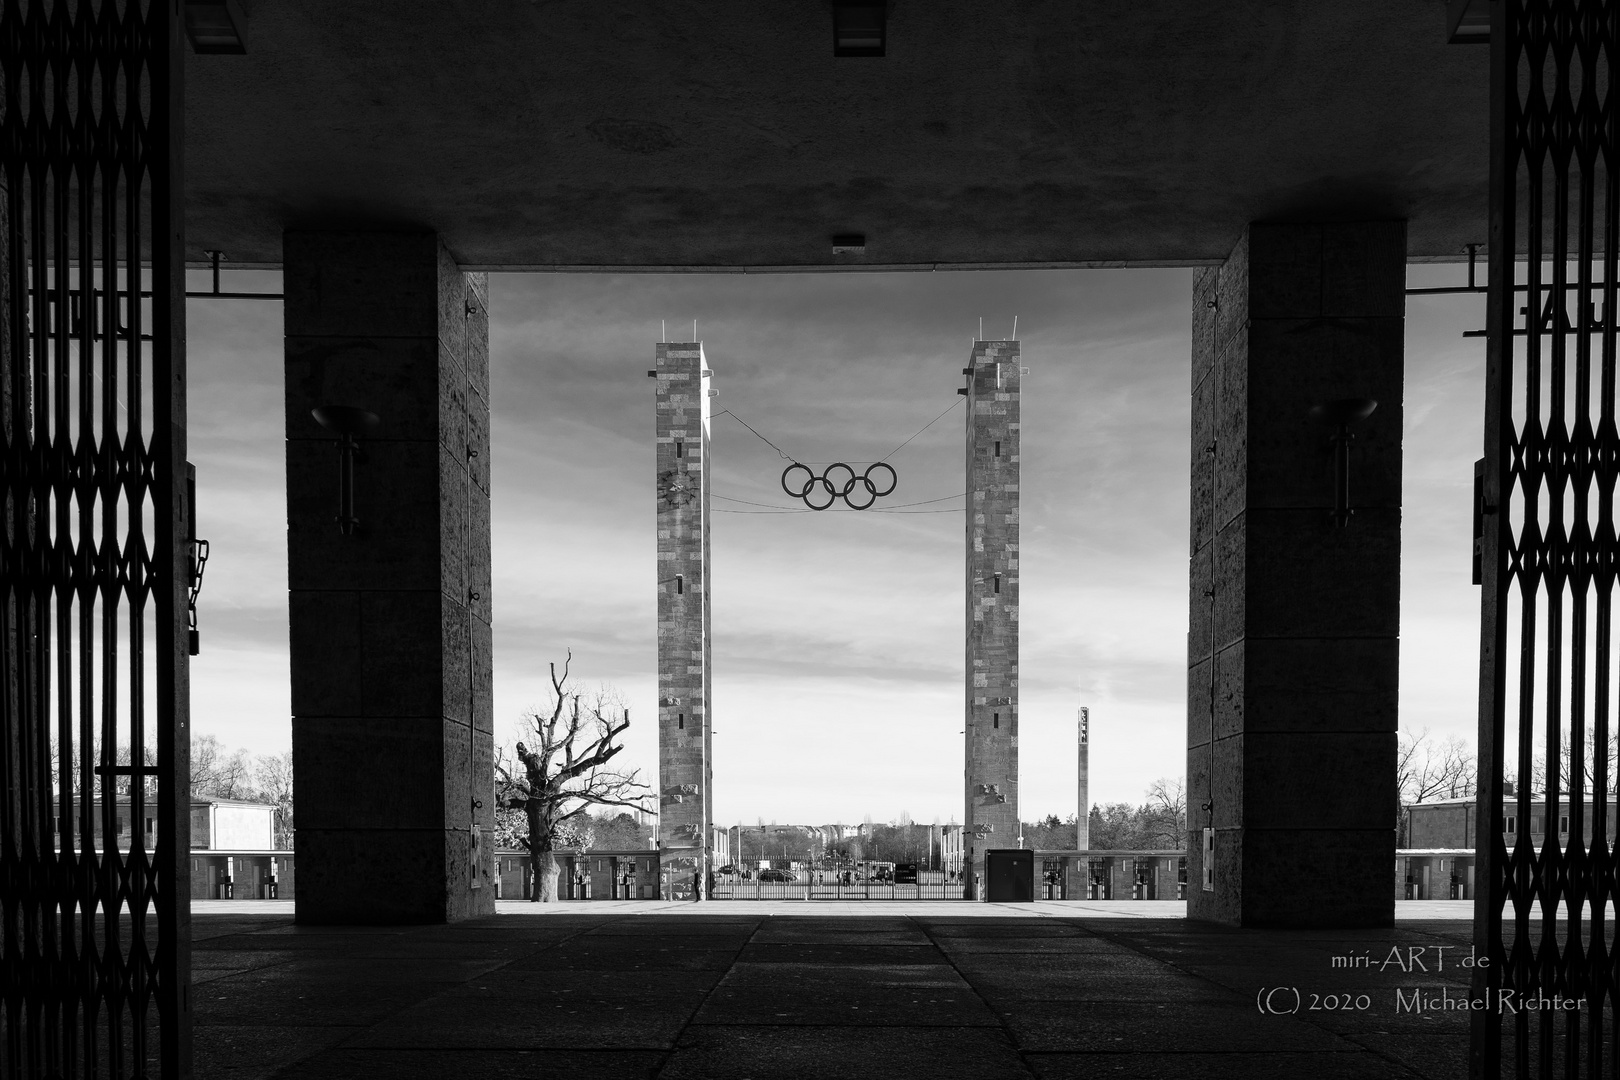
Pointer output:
1436, 860
233, 852
230, 824
952, 850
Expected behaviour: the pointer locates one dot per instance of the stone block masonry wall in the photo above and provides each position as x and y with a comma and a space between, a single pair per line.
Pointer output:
685, 770
1293, 640
390, 627
991, 729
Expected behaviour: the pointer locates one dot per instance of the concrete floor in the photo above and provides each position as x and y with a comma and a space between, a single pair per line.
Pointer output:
734, 990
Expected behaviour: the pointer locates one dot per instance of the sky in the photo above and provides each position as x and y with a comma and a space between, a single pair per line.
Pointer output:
837, 637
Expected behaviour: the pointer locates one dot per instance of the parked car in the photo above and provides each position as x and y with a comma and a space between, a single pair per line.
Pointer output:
777, 875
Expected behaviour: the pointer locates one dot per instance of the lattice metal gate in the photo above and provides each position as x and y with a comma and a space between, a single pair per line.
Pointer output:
1548, 660
94, 825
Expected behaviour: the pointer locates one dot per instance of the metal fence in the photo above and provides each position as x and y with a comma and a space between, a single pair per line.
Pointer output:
831, 885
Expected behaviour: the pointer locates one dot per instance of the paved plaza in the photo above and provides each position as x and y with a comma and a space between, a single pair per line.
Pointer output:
744, 990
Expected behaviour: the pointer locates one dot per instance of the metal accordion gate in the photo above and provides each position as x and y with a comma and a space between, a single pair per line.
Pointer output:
94, 799
1544, 1002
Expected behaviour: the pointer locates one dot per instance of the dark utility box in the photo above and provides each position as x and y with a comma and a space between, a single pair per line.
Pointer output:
1009, 876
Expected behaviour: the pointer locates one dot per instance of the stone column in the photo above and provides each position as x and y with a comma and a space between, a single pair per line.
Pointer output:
991, 728
390, 626
1082, 827
685, 771
1293, 661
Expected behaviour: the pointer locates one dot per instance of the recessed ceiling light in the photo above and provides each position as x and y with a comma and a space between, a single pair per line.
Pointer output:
214, 26
1469, 22
858, 28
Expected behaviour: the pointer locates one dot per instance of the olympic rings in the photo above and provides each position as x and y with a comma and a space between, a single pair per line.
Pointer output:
838, 481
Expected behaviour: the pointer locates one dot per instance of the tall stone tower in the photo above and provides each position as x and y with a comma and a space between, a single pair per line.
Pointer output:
686, 806
1082, 834
991, 730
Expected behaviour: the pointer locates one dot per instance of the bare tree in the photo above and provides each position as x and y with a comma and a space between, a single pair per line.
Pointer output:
216, 771
273, 774
566, 772
122, 782
1164, 815
1566, 771
1426, 769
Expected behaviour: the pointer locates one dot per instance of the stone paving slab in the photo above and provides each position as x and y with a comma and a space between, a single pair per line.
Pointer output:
255, 1051
1013, 984
1223, 1065
511, 1016
294, 994
1051, 944
209, 964
659, 955
1442, 1056
774, 1053
1184, 1027
978, 930
521, 1064
844, 955
835, 931
744, 994
901, 995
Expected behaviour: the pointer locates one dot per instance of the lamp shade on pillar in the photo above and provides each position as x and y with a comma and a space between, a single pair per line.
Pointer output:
1342, 412
349, 423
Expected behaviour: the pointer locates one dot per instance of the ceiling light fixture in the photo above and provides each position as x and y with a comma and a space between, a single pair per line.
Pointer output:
214, 26
1468, 22
859, 28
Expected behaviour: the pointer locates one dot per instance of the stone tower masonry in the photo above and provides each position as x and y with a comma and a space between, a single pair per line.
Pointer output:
685, 768
991, 729
1082, 833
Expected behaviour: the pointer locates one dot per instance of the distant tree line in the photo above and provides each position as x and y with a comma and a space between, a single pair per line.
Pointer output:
599, 831
1157, 824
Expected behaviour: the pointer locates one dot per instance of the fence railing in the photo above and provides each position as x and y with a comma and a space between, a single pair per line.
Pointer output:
834, 888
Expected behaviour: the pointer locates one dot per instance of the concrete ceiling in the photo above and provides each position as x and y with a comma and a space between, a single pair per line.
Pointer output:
723, 134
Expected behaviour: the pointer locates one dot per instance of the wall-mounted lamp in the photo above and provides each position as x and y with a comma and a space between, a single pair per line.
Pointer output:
1340, 414
349, 423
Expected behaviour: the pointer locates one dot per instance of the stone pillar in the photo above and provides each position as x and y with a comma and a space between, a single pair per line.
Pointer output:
991, 728
390, 626
685, 770
1082, 827
1293, 661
